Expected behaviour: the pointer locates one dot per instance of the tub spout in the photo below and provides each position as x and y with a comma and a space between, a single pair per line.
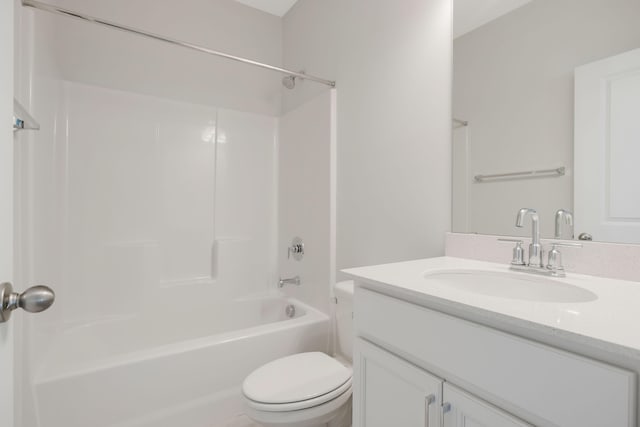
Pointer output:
291, 281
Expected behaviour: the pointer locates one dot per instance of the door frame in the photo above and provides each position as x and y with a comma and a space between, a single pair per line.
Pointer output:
6, 210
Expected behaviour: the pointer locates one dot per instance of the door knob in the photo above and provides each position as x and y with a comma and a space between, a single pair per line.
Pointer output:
33, 300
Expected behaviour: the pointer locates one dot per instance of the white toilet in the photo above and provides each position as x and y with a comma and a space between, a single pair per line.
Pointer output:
307, 389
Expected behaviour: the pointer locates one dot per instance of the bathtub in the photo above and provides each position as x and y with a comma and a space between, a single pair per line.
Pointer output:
169, 372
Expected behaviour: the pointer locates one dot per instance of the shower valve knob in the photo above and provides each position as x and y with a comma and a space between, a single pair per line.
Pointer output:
296, 249
33, 300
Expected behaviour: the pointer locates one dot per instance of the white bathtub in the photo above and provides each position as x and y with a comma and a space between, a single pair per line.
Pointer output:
169, 372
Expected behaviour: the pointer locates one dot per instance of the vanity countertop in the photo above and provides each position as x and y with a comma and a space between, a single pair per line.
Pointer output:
610, 322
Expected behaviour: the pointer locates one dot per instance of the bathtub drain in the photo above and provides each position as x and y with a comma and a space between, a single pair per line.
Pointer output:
290, 311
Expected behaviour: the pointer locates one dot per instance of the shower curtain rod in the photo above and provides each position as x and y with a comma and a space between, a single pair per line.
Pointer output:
72, 14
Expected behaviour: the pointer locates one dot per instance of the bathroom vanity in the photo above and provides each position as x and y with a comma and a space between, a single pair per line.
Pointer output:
455, 342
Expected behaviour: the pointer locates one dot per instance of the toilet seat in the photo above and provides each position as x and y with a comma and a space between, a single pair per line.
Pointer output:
302, 404
310, 417
296, 382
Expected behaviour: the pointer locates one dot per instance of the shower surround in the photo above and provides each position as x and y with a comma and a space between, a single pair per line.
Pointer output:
156, 209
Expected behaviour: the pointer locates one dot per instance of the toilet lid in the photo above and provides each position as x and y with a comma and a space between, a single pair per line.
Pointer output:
295, 378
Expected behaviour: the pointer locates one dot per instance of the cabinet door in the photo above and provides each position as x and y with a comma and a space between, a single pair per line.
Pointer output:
389, 391
461, 409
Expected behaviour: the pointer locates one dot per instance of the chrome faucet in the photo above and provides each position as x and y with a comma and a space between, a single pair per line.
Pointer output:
566, 217
535, 248
290, 281
536, 263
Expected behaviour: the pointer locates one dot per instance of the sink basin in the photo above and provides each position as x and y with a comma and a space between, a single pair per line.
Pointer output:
520, 286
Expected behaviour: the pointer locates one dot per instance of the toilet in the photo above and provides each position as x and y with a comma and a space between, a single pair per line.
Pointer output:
307, 389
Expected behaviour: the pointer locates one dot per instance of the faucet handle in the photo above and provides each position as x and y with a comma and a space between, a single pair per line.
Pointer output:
518, 251
554, 261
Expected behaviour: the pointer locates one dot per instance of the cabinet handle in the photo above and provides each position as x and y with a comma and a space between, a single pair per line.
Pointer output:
427, 403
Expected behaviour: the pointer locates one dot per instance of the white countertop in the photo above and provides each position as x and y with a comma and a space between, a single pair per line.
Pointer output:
610, 322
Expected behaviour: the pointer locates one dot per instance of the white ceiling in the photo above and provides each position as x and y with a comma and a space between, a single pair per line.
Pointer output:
471, 14
274, 7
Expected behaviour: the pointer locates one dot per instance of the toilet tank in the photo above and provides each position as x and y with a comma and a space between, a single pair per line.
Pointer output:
344, 318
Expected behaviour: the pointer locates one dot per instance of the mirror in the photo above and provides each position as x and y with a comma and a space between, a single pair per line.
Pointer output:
514, 122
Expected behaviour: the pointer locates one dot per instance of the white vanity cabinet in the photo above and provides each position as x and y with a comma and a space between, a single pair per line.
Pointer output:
414, 366
393, 392
461, 409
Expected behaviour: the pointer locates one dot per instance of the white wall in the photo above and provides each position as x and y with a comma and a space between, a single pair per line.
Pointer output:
6, 214
105, 57
513, 82
306, 198
392, 64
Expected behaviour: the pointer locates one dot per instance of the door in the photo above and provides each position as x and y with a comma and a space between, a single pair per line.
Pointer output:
6, 209
464, 410
389, 391
607, 149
